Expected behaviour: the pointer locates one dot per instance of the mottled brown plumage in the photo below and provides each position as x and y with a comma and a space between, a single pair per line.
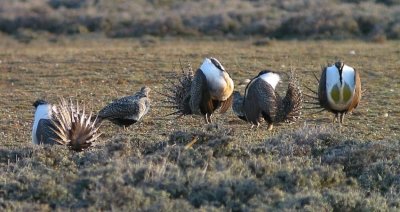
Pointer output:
210, 89
44, 132
357, 93
261, 101
292, 102
322, 97
127, 110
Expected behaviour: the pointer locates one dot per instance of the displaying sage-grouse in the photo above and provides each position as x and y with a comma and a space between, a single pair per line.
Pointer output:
209, 89
127, 110
66, 124
42, 132
339, 90
261, 101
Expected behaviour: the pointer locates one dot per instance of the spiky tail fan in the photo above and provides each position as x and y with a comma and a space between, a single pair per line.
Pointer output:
178, 93
290, 109
73, 126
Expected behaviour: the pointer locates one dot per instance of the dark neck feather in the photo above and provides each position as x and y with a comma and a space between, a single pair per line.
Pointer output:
339, 65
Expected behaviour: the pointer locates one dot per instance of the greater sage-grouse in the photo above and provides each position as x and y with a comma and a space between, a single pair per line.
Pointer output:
260, 100
127, 110
339, 90
42, 132
66, 124
209, 89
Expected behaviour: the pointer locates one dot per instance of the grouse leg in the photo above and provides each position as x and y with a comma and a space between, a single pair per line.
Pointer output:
270, 126
342, 118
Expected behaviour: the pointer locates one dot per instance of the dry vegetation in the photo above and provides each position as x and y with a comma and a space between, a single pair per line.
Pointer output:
310, 165
374, 20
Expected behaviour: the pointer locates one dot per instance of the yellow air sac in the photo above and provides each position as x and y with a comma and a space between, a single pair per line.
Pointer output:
335, 94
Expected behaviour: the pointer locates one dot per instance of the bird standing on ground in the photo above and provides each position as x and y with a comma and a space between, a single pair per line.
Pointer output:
339, 90
65, 124
260, 100
127, 110
42, 132
211, 89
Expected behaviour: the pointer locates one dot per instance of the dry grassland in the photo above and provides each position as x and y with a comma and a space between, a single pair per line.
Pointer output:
309, 165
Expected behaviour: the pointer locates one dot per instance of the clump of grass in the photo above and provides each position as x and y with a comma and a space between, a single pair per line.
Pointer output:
354, 200
310, 141
213, 136
355, 157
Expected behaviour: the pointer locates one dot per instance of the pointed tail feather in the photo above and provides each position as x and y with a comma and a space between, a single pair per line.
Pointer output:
177, 92
292, 103
74, 126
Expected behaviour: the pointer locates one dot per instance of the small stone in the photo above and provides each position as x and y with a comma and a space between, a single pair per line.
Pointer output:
385, 115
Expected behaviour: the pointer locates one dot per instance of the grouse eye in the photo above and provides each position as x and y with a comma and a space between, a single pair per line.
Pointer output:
217, 64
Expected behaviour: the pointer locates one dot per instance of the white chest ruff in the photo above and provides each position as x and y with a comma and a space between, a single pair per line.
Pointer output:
42, 112
217, 80
271, 78
333, 82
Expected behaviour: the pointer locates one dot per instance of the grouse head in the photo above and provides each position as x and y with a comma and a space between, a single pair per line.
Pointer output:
39, 102
145, 90
217, 64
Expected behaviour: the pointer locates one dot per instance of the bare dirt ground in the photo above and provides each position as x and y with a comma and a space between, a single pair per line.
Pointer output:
311, 164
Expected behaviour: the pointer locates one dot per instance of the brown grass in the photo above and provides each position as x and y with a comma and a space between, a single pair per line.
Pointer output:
309, 165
